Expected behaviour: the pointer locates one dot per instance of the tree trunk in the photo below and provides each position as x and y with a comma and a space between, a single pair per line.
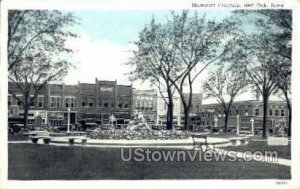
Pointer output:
26, 110
289, 117
265, 116
186, 118
226, 122
170, 110
227, 110
289, 107
188, 105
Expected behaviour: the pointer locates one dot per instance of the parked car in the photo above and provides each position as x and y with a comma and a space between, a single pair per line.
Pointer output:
15, 128
63, 128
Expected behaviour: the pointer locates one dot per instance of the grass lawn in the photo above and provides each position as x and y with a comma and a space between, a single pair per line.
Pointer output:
44, 162
282, 151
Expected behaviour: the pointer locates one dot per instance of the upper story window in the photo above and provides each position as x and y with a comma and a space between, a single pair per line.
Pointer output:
256, 111
270, 112
70, 102
282, 112
126, 104
73, 102
137, 104
40, 101
105, 103
32, 103
276, 112
9, 100
91, 103
55, 102
146, 105
18, 102
151, 105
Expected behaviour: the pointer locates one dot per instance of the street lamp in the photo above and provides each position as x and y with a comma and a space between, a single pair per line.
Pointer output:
237, 124
252, 126
68, 120
216, 122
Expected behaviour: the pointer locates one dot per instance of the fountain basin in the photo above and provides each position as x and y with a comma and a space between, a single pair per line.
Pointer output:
150, 143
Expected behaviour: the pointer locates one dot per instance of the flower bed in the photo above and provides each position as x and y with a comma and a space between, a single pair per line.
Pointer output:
137, 134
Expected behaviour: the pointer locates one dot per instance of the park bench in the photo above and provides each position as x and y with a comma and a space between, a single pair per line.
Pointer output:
36, 135
35, 139
238, 141
72, 140
204, 146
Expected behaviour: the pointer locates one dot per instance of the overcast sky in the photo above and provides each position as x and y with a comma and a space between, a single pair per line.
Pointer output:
105, 40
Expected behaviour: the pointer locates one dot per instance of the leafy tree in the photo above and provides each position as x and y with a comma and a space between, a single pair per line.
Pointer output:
199, 43
259, 61
36, 43
224, 85
282, 75
154, 60
177, 52
283, 46
273, 33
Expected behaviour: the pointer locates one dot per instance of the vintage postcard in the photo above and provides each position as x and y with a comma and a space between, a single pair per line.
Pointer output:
136, 93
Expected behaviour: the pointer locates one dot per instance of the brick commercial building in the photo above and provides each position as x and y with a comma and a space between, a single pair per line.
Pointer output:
194, 111
145, 102
241, 112
162, 108
106, 102
90, 104
154, 107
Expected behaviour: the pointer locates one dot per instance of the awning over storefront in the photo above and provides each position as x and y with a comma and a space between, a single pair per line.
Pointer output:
91, 124
56, 118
